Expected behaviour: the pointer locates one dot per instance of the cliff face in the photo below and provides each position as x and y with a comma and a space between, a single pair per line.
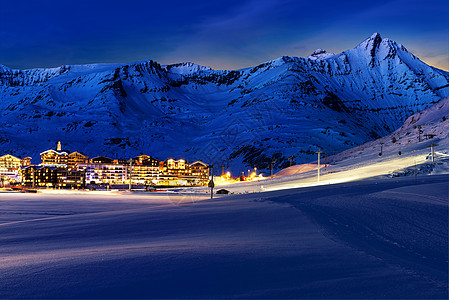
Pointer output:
288, 106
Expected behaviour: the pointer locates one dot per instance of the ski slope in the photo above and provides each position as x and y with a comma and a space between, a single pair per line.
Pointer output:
410, 153
364, 239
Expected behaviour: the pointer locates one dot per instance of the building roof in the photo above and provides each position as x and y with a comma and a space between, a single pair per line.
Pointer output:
51, 150
75, 152
102, 159
199, 162
179, 160
39, 167
9, 155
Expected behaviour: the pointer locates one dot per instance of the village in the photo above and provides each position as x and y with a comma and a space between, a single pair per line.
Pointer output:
73, 170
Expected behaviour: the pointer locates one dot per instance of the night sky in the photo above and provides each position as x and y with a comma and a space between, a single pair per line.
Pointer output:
222, 34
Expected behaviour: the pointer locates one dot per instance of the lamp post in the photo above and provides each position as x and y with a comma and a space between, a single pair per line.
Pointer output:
34, 177
272, 162
319, 155
211, 183
130, 171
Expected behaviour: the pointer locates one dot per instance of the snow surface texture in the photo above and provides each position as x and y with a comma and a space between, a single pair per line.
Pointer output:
434, 125
383, 237
320, 54
373, 239
402, 155
288, 106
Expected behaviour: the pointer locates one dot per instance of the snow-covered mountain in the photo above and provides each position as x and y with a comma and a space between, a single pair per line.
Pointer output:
241, 118
414, 137
403, 152
320, 54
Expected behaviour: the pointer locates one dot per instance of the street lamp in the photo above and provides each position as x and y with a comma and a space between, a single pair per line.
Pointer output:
130, 170
319, 155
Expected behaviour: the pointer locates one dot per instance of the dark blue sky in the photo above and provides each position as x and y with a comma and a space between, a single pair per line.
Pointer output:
222, 34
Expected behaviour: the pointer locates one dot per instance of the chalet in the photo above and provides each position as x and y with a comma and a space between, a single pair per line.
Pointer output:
178, 172
144, 170
76, 158
62, 159
54, 158
10, 167
60, 168
101, 160
200, 170
71, 179
39, 176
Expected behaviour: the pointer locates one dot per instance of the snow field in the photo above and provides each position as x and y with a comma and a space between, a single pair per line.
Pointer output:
365, 239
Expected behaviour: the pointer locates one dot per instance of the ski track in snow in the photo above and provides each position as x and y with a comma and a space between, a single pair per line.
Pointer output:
383, 238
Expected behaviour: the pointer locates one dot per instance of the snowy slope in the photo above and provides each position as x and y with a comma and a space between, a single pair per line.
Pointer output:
360, 240
320, 54
288, 106
403, 154
433, 123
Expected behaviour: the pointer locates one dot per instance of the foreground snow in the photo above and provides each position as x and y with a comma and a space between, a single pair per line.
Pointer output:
367, 239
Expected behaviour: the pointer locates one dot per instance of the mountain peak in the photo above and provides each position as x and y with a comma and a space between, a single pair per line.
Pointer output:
186, 68
371, 43
320, 54
375, 35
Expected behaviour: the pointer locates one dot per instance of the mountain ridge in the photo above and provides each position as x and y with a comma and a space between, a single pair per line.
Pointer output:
240, 118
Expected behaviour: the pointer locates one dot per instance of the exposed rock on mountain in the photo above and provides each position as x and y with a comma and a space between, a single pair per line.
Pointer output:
288, 106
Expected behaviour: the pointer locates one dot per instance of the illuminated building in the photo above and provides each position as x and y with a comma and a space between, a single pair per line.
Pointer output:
10, 167
62, 159
43, 176
53, 158
101, 160
109, 173
71, 179
144, 170
26, 161
39, 176
67, 169
76, 158
179, 173
200, 171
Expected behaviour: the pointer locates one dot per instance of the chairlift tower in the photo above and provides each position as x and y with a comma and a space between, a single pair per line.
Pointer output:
381, 147
432, 150
291, 160
271, 166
